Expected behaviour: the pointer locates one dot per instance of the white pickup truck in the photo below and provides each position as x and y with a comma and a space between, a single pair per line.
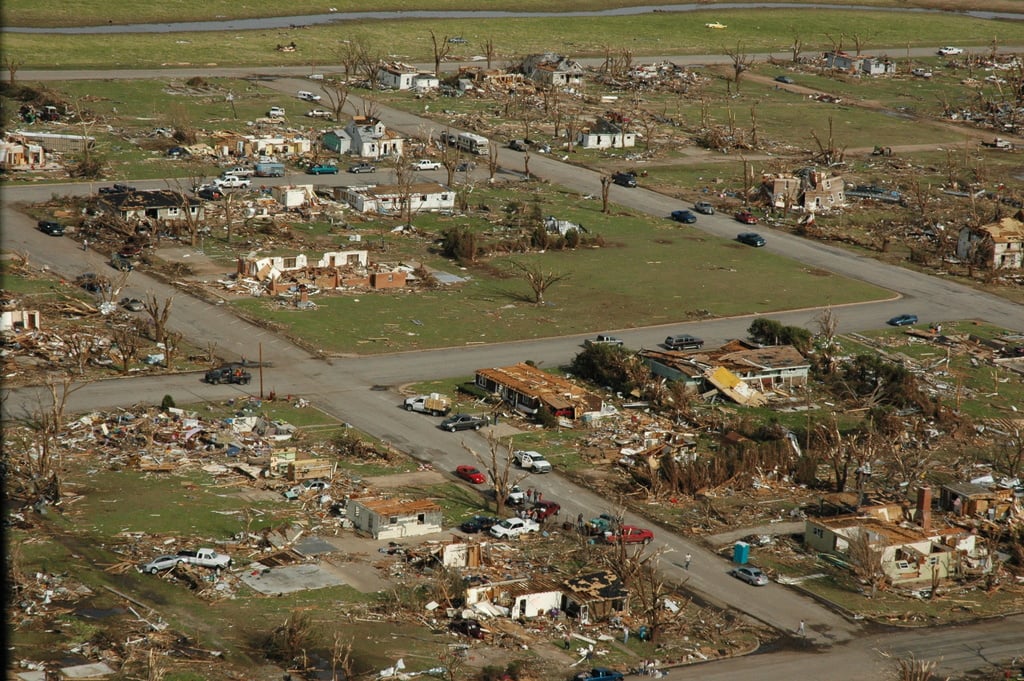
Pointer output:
532, 461
206, 558
434, 404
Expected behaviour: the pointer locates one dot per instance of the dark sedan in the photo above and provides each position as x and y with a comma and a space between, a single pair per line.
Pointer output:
463, 422
683, 216
478, 523
903, 320
751, 239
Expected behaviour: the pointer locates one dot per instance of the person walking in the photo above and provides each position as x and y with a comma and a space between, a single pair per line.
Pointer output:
686, 561
85, 244
801, 630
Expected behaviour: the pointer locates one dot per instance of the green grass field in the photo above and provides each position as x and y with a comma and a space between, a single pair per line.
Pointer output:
646, 34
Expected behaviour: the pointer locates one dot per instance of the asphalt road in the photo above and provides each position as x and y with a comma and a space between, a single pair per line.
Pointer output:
349, 388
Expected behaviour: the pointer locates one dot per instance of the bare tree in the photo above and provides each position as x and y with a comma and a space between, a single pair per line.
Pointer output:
492, 162
829, 153
172, 342
539, 280
79, 348
126, 341
441, 50
158, 315
797, 47
865, 554
337, 92
489, 52
13, 65
404, 179
828, 441
497, 463
606, 184
827, 345
741, 62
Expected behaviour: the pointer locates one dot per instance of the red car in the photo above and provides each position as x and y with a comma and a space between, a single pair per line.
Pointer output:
471, 474
746, 217
630, 534
543, 510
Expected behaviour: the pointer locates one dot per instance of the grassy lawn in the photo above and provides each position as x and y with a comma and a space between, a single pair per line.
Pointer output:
645, 34
85, 12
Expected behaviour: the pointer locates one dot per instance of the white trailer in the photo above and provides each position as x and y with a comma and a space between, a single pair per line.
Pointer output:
474, 144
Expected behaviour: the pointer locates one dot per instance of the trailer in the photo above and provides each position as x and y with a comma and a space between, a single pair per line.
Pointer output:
474, 144
270, 169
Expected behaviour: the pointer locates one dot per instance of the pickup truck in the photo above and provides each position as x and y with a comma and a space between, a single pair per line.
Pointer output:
239, 171
433, 404
603, 339
229, 373
998, 143
233, 181
530, 460
426, 164
206, 558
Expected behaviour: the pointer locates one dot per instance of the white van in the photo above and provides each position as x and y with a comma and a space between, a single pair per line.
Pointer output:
308, 96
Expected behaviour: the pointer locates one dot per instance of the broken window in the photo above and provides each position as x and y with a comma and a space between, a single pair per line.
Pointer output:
290, 263
393, 520
421, 518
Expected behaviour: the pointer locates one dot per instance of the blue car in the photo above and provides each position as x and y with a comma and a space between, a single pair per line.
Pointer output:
683, 216
599, 674
903, 320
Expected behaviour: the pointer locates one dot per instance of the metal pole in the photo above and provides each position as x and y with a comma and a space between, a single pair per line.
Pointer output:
261, 370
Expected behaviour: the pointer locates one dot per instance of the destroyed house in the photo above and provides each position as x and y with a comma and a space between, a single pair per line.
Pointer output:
761, 367
366, 137
390, 199
997, 245
525, 598
859, 64
391, 519
160, 205
605, 134
907, 554
970, 499
17, 153
811, 190
527, 389
552, 70
595, 596
272, 267
58, 143
399, 76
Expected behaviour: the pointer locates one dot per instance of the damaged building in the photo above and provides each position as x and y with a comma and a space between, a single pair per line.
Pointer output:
807, 189
395, 519
391, 199
996, 245
552, 70
527, 389
605, 134
155, 206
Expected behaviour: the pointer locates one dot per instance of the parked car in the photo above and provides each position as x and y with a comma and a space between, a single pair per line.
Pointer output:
52, 228
624, 179
132, 304
921, 72
751, 239
704, 208
465, 167
750, 575
122, 262
542, 510
683, 216
599, 674
323, 169
426, 164
307, 96
518, 145
457, 40
117, 189
210, 193
161, 563
516, 496
319, 113
275, 112
630, 534
903, 320
178, 152
784, 79
471, 474
530, 460
478, 523
683, 341
362, 168
463, 422
513, 527
746, 217
307, 487
603, 339
950, 50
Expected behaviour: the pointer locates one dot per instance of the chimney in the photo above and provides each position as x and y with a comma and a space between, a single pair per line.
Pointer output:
923, 513
303, 294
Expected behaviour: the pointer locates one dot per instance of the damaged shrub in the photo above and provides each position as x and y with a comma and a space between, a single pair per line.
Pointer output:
291, 640
603, 365
460, 243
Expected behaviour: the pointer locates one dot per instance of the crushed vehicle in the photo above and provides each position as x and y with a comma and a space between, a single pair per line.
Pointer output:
229, 373
161, 563
434, 404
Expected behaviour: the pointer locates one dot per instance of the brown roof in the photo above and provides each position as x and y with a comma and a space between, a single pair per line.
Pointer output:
1005, 231
398, 506
555, 391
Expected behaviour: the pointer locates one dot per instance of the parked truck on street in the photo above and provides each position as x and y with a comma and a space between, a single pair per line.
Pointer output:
206, 558
433, 404
229, 373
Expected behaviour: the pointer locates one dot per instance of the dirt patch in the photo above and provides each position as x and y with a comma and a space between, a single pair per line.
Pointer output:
413, 479
200, 265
